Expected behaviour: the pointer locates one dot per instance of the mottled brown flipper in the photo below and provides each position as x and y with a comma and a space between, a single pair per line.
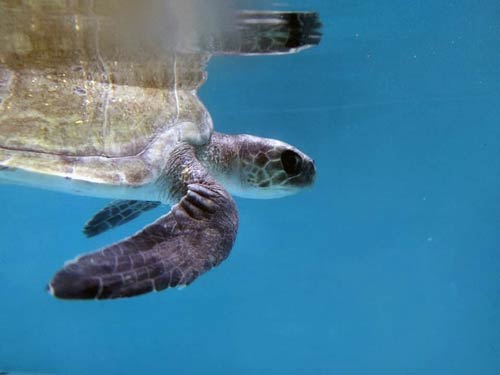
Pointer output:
195, 236
115, 214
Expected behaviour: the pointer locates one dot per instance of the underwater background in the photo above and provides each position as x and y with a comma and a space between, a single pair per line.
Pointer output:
389, 265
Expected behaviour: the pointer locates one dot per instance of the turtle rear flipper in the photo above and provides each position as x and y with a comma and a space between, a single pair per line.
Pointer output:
267, 32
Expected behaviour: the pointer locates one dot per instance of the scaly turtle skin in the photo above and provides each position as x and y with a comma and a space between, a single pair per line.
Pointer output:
99, 98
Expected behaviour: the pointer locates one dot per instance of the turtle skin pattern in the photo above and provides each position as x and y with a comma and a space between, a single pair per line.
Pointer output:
195, 236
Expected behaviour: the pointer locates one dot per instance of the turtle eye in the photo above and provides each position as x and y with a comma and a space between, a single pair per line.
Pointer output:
292, 162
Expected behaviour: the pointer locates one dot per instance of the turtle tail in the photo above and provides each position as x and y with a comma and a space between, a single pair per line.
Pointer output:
268, 32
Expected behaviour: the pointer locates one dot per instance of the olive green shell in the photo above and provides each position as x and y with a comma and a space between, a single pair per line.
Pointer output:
84, 84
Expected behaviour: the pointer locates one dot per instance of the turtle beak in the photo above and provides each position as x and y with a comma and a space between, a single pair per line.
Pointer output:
309, 172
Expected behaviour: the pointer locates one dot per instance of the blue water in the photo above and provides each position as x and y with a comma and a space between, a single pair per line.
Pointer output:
389, 265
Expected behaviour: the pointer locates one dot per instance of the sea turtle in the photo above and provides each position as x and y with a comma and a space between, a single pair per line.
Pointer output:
98, 104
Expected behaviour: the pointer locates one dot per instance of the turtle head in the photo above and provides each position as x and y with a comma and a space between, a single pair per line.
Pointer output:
254, 167
269, 168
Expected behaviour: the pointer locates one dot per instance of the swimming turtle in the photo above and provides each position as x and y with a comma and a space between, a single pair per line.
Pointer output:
90, 107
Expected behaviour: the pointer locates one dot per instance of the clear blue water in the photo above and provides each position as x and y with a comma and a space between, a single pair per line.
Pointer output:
390, 265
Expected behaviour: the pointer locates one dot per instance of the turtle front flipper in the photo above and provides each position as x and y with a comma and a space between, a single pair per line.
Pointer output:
195, 236
267, 32
116, 213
